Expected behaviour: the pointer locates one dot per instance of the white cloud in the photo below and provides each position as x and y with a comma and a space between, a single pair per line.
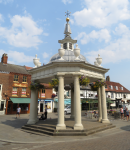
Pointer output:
58, 18
45, 55
15, 57
102, 13
1, 17
23, 33
6, 1
46, 34
100, 35
67, 1
117, 50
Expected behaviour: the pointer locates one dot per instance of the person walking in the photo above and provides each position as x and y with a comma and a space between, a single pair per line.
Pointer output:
45, 112
18, 111
127, 114
122, 112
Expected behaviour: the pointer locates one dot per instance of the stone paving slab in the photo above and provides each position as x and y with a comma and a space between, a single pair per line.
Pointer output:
10, 130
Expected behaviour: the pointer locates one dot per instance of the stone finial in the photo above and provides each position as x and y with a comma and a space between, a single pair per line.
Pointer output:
36, 62
61, 52
98, 61
77, 52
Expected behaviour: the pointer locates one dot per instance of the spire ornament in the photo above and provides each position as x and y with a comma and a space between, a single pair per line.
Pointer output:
67, 14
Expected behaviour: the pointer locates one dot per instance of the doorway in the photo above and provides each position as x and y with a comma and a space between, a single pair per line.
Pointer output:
41, 106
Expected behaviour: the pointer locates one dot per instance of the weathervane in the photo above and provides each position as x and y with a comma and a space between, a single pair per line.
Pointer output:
67, 14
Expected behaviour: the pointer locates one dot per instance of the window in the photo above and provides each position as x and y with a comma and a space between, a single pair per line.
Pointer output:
0, 87
16, 77
116, 87
65, 45
24, 78
105, 86
116, 94
70, 45
23, 91
14, 92
112, 95
111, 87
81, 94
124, 96
119, 94
43, 93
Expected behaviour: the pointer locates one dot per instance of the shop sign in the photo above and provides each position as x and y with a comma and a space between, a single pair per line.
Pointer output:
43, 95
24, 93
14, 92
20, 85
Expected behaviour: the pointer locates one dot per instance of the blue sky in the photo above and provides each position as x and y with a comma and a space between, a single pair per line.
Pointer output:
29, 27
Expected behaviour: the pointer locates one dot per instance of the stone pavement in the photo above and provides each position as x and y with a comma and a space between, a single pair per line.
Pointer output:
10, 131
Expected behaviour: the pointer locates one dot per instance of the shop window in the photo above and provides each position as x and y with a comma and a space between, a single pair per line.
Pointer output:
2, 106
24, 78
23, 91
15, 107
16, 77
14, 92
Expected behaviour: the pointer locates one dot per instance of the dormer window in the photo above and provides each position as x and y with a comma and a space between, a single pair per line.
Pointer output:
121, 88
111, 87
116, 87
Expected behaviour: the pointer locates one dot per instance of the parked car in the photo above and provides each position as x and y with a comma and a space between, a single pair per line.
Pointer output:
67, 110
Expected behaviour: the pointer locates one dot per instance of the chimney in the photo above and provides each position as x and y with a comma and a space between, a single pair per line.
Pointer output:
4, 58
108, 78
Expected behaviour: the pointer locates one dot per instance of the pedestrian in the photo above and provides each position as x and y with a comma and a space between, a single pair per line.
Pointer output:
127, 114
45, 112
122, 112
18, 111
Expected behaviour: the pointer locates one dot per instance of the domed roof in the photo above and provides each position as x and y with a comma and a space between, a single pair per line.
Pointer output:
68, 56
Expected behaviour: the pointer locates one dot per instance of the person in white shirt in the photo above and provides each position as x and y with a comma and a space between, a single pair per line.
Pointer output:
18, 112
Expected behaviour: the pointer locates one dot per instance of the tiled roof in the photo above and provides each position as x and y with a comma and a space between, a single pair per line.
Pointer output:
114, 89
28, 68
13, 68
47, 86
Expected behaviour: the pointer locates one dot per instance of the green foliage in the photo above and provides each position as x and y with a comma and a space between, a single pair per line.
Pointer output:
83, 80
54, 83
35, 85
97, 84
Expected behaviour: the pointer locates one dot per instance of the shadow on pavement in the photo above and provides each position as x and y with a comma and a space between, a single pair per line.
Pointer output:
126, 128
17, 123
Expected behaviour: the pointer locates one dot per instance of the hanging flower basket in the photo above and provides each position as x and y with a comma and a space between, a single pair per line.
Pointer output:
83, 80
54, 83
97, 84
35, 85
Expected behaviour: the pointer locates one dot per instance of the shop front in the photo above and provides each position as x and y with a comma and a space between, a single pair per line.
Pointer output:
13, 103
42, 103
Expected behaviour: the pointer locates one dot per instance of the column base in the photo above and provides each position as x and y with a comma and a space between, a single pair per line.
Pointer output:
72, 116
78, 127
32, 121
60, 127
100, 119
105, 121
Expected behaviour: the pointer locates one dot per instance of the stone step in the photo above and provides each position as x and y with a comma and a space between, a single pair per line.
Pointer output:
74, 133
43, 127
44, 131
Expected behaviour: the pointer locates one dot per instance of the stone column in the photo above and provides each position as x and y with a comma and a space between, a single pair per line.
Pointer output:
33, 107
99, 105
104, 108
72, 104
61, 125
77, 107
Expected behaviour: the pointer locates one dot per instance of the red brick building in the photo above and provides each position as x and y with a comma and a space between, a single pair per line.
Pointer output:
14, 91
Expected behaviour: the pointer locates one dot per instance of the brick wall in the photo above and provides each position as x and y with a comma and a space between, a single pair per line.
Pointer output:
7, 81
4, 80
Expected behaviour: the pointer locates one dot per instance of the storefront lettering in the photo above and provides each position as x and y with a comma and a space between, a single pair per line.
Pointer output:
20, 85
